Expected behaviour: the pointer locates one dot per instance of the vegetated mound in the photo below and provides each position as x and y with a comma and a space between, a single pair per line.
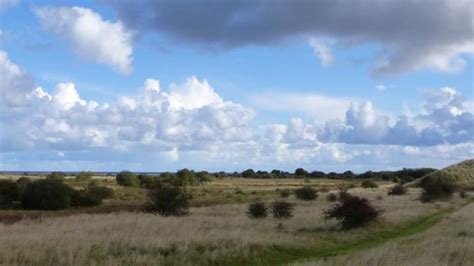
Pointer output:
462, 174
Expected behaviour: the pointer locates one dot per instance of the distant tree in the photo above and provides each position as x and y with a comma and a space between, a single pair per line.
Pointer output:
127, 179
333, 175
348, 175
317, 174
300, 172
249, 173
366, 175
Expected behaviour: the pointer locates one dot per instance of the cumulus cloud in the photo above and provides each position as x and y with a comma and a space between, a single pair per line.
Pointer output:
412, 34
90, 36
165, 125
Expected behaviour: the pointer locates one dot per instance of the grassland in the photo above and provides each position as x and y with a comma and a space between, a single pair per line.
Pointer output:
462, 174
217, 230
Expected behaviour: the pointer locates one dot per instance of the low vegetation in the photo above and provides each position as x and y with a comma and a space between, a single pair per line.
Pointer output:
168, 200
306, 193
282, 209
257, 210
437, 188
352, 212
397, 190
369, 184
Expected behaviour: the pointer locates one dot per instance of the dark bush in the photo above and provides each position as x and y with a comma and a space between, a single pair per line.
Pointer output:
369, 184
436, 188
84, 176
8, 193
462, 194
331, 197
47, 194
21, 185
257, 210
203, 177
352, 212
282, 209
168, 200
285, 193
93, 195
127, 179
147, 181
397, 190
58, 176
306, 193
343, 194
301, 172
249, 173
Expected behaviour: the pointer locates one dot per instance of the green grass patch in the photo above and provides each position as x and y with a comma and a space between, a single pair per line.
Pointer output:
278, 255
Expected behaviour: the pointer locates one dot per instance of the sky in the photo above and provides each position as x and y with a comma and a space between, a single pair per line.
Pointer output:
329, 85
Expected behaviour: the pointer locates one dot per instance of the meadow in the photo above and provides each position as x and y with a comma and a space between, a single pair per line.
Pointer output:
218, 231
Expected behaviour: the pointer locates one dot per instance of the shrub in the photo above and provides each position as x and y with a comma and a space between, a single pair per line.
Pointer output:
331, 197
282, 209
127, 179
462, 194
436, 188
285, 193
352, 212
92, 196
396, 180
369, 184
83, 176
257, 210
48, 194
58, 176
168, 200
203, 177
21, 185
8, 193
185, 177
306, 193
397, 190
147, 181
343, 194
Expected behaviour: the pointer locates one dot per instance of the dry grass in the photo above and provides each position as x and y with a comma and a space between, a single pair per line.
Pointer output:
450, 242
216, 234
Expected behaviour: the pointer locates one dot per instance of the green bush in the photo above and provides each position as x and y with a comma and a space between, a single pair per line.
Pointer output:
282, 209
306, 193
147, 181
397, 190
47, 194
436, 188
21, 185
8, 193
127, 179
93, 195
352, 212
58, 176
285, 193
84, 176
257, 210
168, 200
331, 197
369, 184
185, 177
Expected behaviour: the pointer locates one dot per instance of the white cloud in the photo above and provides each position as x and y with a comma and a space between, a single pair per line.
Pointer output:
165, 125
322, 51
90, 36
315, 105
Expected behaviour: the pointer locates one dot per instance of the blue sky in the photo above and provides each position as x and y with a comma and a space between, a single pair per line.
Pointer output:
255, 85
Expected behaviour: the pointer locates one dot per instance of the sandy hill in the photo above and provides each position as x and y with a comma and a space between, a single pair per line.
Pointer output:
461, 173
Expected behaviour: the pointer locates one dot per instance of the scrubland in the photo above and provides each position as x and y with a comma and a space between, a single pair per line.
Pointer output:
219, 234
